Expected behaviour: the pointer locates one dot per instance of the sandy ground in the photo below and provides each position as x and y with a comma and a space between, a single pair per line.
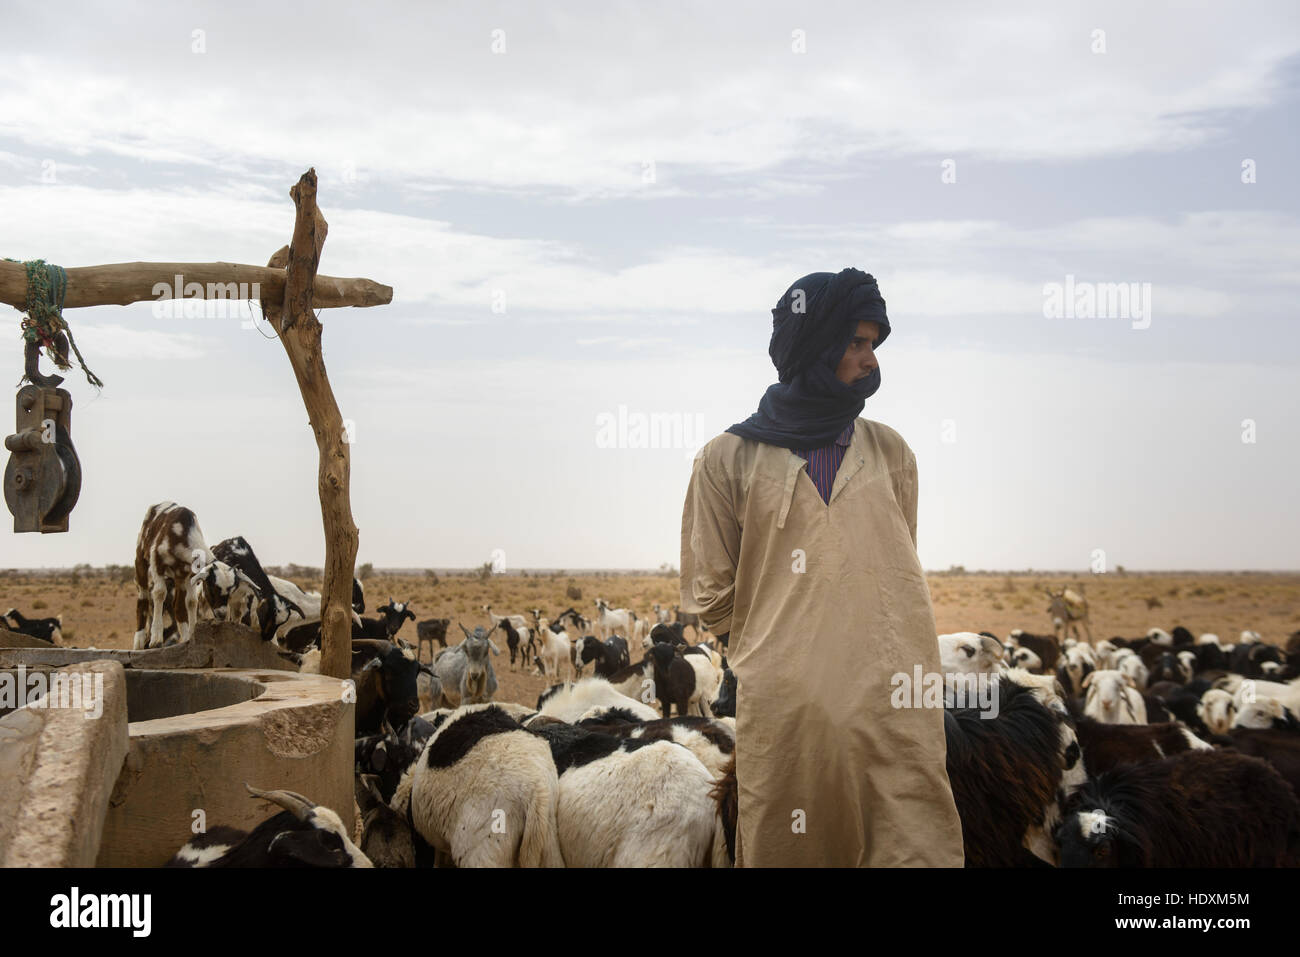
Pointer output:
98, 607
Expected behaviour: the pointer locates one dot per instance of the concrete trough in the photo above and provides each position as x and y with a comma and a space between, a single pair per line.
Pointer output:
60, 758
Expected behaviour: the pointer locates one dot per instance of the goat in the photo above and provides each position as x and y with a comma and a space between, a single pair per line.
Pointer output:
1010, 775
966, 652
434, 629
515, 637
555, 647
1046, 647
273, 612
609, 619
393, 616
1113, 699
1196, 809
484, 791
609, 655
302, 835
1265, 713
309, 604
712, 742
223, 592
674, 679
463, 674
571, 702
1107, 745
388, 754
42, 629
517, 620
385, 678
724, 704
1279, 748
632, 802
169, 549
672, 634
1074, 666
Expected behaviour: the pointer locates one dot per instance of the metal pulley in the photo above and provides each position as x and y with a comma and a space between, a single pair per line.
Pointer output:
43, 477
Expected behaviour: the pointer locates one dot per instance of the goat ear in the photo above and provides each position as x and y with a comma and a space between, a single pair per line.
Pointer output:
1131, 682
1087, 679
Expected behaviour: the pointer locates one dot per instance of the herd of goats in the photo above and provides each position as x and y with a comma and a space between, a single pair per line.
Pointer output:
1164, 750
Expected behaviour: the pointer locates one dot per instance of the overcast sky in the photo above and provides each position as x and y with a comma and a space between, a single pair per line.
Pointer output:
583, 207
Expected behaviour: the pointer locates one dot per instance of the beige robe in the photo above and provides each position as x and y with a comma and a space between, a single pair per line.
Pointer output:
825, 604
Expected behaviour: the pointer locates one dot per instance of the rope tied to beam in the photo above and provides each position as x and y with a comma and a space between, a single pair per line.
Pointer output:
47, 285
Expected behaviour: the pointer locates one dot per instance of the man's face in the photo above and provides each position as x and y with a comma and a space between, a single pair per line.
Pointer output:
859, 359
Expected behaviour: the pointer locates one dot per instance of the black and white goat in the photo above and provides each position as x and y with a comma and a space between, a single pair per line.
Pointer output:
1197, 809
609, 655
43, 629
273, 612
632, 801
483, 792
304, 834
1011, 774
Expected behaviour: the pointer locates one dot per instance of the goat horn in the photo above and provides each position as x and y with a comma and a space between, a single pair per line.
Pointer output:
289, 800
464, 629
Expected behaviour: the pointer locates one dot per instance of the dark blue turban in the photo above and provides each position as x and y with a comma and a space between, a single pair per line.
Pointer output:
811, 327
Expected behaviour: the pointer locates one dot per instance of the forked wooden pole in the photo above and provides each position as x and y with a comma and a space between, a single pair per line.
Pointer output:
300, 332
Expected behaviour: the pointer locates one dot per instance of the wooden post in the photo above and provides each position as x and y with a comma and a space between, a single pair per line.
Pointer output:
300, 332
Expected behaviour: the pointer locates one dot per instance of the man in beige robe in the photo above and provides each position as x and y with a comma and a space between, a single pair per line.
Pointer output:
823, 601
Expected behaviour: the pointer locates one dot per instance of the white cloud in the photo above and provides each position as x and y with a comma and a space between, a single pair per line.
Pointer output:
580, 101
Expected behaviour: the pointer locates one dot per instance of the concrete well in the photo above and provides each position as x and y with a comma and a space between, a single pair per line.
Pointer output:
196, 737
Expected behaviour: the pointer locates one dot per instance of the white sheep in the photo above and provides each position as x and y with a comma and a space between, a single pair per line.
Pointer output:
1216, 709
1128, 663
1113, 699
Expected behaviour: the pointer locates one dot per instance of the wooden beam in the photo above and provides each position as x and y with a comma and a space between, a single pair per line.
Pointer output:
120, 284
300, 332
